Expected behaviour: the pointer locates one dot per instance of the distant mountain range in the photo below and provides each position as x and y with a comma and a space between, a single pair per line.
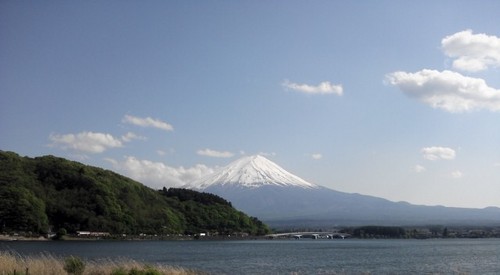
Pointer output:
263, 189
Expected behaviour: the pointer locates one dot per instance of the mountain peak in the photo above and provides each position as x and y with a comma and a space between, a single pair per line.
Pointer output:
252, 172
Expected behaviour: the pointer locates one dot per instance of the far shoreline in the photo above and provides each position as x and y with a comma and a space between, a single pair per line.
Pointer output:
11, 238
22, 238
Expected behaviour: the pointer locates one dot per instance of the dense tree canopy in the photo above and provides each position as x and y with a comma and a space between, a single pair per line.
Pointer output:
50, 193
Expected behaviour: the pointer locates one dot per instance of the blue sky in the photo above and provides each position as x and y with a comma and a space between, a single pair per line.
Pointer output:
396, 99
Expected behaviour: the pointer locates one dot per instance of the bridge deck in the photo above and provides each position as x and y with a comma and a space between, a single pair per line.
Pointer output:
314, 235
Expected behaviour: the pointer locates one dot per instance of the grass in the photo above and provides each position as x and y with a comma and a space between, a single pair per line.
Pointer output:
45, 264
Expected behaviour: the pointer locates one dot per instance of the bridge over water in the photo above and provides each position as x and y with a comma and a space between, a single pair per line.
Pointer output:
310, 235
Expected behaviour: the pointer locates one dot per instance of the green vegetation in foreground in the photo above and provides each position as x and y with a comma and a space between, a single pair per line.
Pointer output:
47, 193
47, 264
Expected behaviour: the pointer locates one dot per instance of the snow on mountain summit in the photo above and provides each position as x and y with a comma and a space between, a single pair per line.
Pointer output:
251, 171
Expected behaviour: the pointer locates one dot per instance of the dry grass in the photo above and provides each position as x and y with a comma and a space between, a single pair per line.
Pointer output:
44, 264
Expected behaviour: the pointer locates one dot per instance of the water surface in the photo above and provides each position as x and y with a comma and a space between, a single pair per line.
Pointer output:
350, 256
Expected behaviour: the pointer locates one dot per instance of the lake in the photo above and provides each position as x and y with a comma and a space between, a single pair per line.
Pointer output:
306, 256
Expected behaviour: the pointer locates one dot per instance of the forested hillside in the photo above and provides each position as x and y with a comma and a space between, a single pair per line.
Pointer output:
50, 193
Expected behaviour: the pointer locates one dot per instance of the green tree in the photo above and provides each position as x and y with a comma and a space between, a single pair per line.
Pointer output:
21, 210
445, 232
35, 192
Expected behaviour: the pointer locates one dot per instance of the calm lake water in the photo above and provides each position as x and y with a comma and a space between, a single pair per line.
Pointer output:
350, 256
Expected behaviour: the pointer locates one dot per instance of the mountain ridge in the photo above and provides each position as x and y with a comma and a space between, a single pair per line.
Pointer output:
287, 203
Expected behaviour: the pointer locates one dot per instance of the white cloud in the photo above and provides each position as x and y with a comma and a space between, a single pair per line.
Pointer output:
147, 122
472, 52
131, 136
215, 154
89, 142
457, 174
157, 174
317, 156
419, 169
323, 88
435, 153
447, 90
164, 152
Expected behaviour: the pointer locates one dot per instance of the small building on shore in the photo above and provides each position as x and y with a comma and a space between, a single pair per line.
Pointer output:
92, 234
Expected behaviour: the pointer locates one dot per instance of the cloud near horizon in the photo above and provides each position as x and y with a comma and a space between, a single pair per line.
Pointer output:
214, 154
147, 122
447, 90
132, 136
88, 142
323, 88
419, 168
457, 174
472, 52
436, 153
157, 174
317, 156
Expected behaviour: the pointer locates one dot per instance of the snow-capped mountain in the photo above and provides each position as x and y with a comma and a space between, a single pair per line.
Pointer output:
261, 188
252, 172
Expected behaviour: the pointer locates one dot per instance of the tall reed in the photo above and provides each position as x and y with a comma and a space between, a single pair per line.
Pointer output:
46, 264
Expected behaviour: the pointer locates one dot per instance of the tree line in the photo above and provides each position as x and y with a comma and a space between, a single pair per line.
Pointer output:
48, 193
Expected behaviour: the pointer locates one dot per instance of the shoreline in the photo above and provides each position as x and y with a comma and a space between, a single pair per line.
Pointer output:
466, 234
22, 238
7, 238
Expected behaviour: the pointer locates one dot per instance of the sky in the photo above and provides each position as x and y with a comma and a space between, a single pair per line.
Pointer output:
394, 99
